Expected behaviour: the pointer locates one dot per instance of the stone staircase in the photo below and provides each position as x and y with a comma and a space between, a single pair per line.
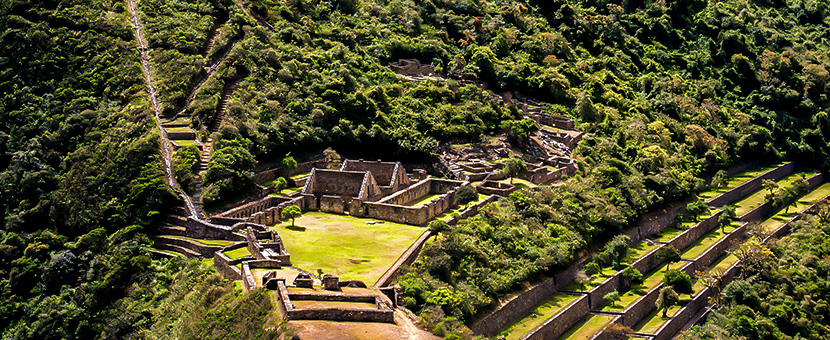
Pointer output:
221, 108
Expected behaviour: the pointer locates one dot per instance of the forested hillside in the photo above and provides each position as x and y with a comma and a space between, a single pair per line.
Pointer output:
668, 92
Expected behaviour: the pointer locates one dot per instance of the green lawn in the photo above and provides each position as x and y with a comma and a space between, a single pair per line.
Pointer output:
655, 320
804, 202
669, 233
636, 252
185, 142
595, 280
237, 253
448, 215
298, 176
736, 180
179, 129
423, 200
285, 192
222, 243
587, 327
697, 248
346, 246
538, 316
758, 197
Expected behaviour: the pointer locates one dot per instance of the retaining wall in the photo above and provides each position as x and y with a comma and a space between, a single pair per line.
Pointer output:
562, 321
406, 259
516, 308
473, 210
748, 187
694, 233
202, 249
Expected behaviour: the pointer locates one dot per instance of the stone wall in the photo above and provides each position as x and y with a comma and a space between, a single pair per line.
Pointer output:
473, 210
198, 247
748, 187
413, 192
204, 230
387, 174
673, 325
382, 313
332, 182
516, 308
409, 256
695, 232
560, 323
596, 294
703, 261
222, 264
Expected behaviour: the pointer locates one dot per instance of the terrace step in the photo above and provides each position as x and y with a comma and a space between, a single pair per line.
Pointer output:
172, 230
178, 249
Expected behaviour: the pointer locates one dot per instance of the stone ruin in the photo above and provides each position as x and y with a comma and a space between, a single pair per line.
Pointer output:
330, 282
412, 67
304, 280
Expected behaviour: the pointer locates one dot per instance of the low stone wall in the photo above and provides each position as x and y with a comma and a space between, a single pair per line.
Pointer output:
202, 249
694, 233
317, 296
703, 261
181, 135
409, 256
748, 187
382, 314
562, 321
248, 282
222, 264
765, 209
516, 308
204, 230
410, 194
495, 188
686, 313
596, 294
473, 210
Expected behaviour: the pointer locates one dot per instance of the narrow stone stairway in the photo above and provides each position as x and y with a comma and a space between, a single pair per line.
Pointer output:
207, 149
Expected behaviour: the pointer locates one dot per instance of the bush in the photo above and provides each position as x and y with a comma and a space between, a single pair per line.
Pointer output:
466, 194
592, 268
633, 275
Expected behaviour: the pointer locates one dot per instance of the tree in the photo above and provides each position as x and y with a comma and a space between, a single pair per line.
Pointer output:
292, 212
823, 211
592, 268
669, 254
633, 275
612, 297
770, 185
667, 298
280, 184
719, 179
679, 280
519, 130
617, 249
331, 156
723, 221
466, 194
437, 226
289, 164
696, 208
513, 167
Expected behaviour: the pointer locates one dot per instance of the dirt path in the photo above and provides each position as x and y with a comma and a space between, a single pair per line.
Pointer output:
166, 158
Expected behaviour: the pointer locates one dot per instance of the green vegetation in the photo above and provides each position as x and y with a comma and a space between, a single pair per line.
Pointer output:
538, 315
587, 328
346, 246
730, 182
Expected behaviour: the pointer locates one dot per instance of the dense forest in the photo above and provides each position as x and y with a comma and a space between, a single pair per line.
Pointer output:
783, 292
668, 92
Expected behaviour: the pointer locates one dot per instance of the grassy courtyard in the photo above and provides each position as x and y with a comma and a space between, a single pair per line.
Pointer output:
344, 245
538, 316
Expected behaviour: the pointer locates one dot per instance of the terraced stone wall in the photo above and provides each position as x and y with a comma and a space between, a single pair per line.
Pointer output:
695, 232
748, 187
560, 323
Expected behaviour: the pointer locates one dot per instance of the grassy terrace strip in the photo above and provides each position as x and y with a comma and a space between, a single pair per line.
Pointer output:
655, 320
804, 202
697, 248
737, 179
423, 200
222, 243
586, 328
758, 198
650, 280
346, 246
238, 253
538, 316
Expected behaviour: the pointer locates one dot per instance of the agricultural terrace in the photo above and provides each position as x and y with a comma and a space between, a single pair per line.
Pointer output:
351, 247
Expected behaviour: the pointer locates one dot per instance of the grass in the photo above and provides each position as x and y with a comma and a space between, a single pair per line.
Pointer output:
668, 233
587, 327
759, 197
346, 245
638, 251
735, 180
519, 183
179, 129
712, 237
655, 320
185, 142
237, 253
448, 215
423, 200
221, 243
595, 280
303, 304
285, 192
539, 315
804, 202
298, 176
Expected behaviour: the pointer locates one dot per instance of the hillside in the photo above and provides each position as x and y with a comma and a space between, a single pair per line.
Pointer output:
667, 94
